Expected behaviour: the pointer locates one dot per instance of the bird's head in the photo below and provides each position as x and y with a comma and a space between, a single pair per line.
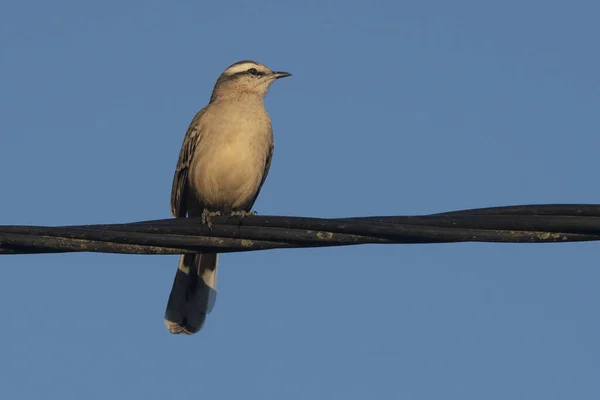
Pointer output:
245, 78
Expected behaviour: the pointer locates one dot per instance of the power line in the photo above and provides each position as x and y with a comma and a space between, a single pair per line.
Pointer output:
513, 224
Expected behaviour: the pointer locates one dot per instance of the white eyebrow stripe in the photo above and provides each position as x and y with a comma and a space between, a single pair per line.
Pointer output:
234, 69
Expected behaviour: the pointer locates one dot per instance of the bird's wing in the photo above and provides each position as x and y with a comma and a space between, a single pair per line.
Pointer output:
264, 177
180, 184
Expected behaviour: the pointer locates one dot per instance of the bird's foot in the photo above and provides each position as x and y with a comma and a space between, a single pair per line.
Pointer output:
207, 215
242, 214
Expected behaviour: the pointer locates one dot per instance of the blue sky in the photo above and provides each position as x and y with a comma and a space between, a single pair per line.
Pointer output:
394, 108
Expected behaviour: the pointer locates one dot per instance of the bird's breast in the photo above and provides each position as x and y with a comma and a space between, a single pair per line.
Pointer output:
229, 162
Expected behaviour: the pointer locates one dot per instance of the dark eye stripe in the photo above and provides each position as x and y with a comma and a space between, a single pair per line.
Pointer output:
228, 77
255, 72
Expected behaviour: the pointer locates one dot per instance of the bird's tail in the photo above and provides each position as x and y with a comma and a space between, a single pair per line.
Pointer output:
193, 294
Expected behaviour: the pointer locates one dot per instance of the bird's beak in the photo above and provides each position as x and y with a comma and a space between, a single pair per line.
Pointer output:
280, 74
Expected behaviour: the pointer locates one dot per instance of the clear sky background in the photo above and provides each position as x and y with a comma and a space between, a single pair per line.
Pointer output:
394, 108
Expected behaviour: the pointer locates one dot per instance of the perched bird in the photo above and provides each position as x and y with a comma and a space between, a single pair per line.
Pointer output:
223, 163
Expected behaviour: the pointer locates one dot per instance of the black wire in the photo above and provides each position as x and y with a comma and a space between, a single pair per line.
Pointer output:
513, 224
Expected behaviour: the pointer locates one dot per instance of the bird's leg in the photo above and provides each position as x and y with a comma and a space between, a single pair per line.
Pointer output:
206, 215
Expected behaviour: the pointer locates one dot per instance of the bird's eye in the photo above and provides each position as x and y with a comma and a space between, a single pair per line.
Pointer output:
253, 71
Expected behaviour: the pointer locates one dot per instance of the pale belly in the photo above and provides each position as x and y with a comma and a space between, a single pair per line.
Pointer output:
227, 176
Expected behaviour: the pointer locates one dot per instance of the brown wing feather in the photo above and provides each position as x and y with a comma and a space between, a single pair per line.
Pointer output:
180, 184
264, 177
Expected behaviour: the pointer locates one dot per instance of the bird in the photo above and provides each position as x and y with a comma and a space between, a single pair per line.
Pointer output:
223, 163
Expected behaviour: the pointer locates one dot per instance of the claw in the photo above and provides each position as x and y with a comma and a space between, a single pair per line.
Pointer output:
242, 214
